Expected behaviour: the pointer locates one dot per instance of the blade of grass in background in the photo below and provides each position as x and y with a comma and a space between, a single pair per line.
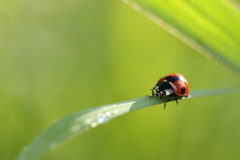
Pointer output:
84, 120
210, 27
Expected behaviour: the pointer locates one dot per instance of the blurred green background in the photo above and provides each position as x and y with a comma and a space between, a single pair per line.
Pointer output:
58, 57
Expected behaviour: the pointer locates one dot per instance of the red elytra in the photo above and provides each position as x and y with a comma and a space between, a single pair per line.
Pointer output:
178, 83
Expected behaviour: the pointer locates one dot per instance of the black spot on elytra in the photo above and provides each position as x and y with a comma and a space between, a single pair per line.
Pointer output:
164, 85
183, 90
172, 78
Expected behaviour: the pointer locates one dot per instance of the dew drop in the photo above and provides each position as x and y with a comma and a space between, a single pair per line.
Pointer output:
88, 121
115, 111
108, 113
93, 124
104, 118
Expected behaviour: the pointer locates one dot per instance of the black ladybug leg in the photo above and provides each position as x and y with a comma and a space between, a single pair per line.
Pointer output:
176, 101
164, 107
167, 101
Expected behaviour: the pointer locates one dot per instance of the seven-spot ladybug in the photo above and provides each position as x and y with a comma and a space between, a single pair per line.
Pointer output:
172, 85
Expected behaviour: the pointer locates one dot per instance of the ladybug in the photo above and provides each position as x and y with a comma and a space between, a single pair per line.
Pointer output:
172, 85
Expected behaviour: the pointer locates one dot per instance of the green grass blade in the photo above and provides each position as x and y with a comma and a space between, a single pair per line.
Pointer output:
204, 92
210, 27
84, 120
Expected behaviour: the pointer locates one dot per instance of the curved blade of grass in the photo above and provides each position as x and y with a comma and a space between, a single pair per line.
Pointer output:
84, 120
210, 27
